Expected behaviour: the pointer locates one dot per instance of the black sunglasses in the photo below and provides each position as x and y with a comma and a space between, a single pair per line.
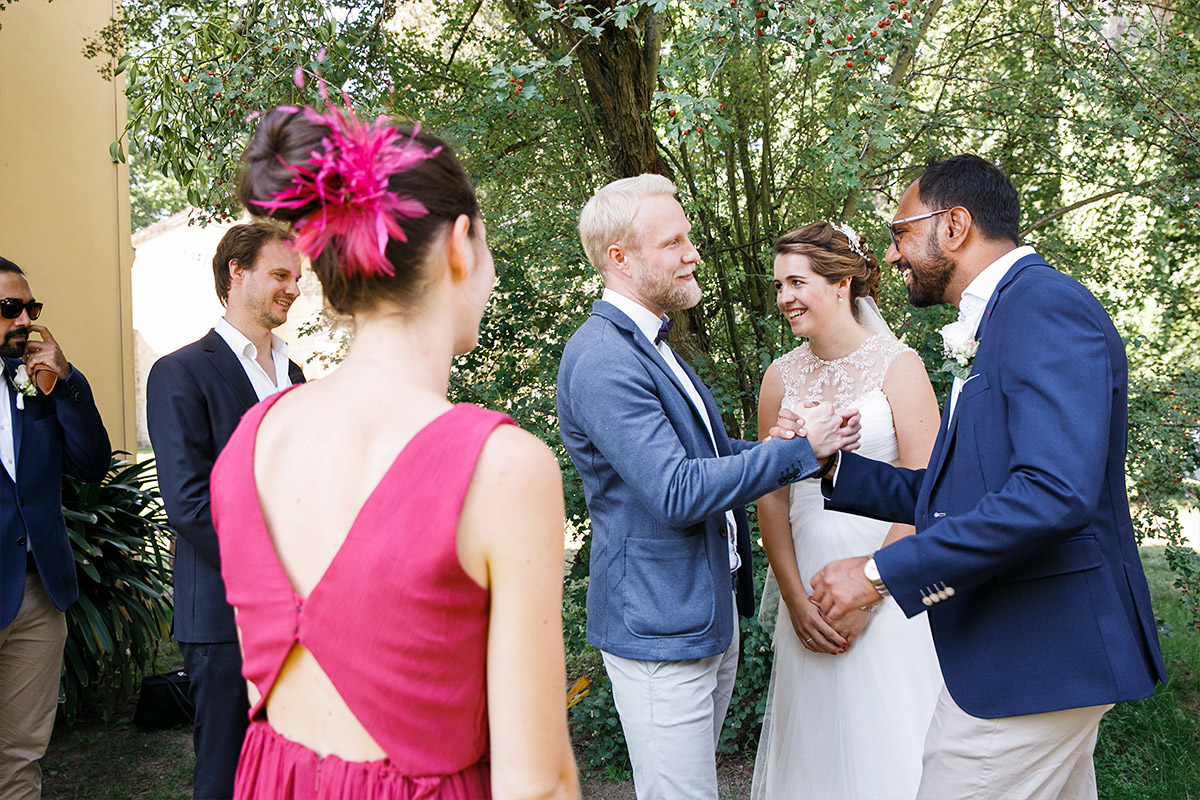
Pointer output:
11, 307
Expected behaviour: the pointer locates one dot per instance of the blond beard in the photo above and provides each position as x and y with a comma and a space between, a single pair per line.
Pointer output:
655, 289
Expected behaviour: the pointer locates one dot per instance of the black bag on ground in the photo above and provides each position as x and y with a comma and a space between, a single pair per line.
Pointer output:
165, 701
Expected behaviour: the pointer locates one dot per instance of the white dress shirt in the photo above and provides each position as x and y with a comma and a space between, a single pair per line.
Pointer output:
976, 296
8, 454
648, 323
247, 355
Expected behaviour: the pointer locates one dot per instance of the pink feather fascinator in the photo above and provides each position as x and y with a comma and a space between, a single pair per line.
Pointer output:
348, 180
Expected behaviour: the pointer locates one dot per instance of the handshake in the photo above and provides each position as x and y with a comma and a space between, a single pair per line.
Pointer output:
827, 429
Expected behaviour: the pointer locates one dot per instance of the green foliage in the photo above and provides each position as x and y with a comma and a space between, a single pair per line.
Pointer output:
1148, 748
768, 115
118, 531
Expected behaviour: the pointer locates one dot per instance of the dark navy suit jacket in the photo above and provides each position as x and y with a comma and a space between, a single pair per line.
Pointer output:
659, 587
1023, 512
195, 397
54, 434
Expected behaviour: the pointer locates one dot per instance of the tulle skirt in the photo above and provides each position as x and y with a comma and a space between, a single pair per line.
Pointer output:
851, 725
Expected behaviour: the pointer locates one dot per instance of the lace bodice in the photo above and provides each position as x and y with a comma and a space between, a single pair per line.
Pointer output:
842, 381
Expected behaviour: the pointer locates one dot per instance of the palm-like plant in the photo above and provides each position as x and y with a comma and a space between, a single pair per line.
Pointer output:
119, 535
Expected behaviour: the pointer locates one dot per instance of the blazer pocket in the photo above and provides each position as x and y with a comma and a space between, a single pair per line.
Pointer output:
668, 587
1076, 554
46, 422
973, 385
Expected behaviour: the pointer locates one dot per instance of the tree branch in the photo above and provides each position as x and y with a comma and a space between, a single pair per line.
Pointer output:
1087, 201
463, 33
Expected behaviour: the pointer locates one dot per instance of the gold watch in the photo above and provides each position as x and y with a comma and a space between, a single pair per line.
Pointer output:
871, 571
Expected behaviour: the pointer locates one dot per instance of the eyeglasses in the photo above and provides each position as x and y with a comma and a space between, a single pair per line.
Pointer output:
891, 226
11, 308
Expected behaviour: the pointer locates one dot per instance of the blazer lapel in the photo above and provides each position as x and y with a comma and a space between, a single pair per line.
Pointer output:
946, 435
710, 406
649, 351
226, 364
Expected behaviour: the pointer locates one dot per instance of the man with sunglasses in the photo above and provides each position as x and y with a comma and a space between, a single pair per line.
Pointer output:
1024, 557
195, 398
49, 425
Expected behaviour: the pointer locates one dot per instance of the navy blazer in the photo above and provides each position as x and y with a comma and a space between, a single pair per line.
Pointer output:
659, 588
195, 397
1023, 512
56, 434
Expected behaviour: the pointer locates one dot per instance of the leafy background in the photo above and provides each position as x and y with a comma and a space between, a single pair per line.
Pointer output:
767, 115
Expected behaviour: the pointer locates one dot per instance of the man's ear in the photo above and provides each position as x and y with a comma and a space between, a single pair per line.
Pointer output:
616, 258
236, 271
958, 228
460, 255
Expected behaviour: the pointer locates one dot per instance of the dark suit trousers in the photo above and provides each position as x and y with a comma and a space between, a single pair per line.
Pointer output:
222, 709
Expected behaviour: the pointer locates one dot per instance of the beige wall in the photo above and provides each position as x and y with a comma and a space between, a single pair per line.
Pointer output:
64, 210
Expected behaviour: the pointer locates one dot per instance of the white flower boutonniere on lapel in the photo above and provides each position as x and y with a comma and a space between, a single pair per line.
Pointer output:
24, 386
959, 346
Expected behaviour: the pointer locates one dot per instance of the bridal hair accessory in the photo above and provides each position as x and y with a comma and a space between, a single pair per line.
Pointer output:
856, 242
348, 178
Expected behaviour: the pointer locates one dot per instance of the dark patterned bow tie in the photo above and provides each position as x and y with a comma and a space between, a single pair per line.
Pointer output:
663, 330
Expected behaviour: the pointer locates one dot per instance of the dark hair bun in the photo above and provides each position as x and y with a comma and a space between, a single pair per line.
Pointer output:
283, 139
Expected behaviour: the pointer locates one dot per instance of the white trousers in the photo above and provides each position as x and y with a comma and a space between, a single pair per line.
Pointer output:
1033, 757
671, 713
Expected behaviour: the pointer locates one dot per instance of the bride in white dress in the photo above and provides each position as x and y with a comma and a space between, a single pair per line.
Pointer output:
849, 704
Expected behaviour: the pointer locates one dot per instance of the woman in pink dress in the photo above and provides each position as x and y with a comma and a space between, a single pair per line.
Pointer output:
395, 561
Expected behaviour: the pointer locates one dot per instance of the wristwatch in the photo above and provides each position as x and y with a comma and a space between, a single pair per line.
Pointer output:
872, 574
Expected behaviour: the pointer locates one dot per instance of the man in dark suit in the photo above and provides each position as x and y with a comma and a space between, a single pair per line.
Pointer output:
42, 436
1024, 555
195, 397
666, 490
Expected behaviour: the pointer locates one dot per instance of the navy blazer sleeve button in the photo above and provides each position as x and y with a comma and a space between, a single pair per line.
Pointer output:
21, 541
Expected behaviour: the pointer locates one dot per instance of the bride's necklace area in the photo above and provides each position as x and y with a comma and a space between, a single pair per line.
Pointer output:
821, 377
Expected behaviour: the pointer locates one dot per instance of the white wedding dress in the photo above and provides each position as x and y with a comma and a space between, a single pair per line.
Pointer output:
850, 725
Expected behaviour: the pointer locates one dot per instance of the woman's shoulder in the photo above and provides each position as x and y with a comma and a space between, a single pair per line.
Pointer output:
509, 448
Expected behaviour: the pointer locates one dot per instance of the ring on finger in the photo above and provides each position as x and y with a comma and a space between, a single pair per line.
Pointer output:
809, 639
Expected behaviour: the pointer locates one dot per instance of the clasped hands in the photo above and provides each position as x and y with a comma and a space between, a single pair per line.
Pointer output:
827, 429
841, 602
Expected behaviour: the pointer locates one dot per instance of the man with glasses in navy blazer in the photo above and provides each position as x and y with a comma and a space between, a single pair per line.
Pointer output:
195, 397
1024, 555
49, 426
666, 490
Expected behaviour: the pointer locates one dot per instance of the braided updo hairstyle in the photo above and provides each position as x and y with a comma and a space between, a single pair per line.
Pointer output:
286, 139
831, 256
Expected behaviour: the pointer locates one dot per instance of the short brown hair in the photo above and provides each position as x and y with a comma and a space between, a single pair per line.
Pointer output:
243, 243
831, 256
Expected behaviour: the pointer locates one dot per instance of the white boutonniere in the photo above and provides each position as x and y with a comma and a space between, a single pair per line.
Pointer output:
959, 346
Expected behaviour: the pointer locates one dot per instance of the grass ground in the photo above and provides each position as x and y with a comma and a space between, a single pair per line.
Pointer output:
1148, 749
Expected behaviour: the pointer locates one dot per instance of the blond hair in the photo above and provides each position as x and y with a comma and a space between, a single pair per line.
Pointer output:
608, 216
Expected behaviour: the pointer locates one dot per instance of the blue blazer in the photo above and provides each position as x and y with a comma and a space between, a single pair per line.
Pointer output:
659, 588
195, 397
1023, 512
56, 434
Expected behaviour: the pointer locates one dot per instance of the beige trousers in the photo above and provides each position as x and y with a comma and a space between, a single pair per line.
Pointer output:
1033, 757
671, 713
31, 652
